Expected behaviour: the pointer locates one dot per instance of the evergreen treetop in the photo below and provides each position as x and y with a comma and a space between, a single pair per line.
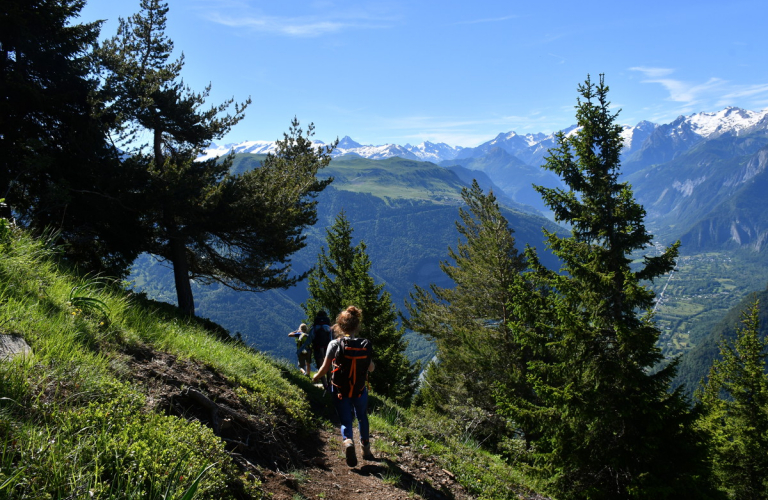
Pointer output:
735, 411
469, 322
238, 230
56, 171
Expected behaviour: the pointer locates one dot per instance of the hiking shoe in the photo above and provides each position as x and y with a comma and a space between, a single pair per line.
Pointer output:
367, 455
349, 451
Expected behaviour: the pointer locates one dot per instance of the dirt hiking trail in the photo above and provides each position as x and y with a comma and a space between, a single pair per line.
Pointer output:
289, 465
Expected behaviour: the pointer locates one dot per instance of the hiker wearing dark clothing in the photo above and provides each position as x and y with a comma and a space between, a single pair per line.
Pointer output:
321, 331
350, 360
303, 348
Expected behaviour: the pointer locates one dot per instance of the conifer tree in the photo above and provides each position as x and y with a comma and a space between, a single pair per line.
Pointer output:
475, 347
56, 172
735, 404
601, 423
342, 277
238, 230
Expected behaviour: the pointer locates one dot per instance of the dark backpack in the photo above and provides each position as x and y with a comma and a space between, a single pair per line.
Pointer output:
322, 333
350, 367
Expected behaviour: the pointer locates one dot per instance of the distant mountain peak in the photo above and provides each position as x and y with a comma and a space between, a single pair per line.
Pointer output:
730, 119
348, 143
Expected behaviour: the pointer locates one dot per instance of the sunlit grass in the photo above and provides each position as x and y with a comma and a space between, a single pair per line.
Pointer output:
482, 473
72, 425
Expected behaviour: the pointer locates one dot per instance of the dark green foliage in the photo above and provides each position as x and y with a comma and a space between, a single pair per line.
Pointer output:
56, 171
144, 92
735, 403
599, 424
342, 278
469, 322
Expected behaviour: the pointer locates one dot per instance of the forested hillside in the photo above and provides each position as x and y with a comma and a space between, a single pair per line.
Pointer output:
695, 363
404, 210
106, 395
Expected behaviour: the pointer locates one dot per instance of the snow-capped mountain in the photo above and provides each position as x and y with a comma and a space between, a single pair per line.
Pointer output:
634, 137
347, 146
729, 120
644, 144
429, 151
426, 151
668, 141
510, 142
255, 147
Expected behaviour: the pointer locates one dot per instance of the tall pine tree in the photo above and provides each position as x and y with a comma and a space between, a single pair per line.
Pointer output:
600, 423
238, 230
342, 277
735, 403
469, 322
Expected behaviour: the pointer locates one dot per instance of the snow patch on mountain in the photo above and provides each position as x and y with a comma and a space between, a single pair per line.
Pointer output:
730, 119
687, 186
426, 151
633, 137
254, 147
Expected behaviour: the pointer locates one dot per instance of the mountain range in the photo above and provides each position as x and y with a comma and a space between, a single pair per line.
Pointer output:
680, 135
702, 180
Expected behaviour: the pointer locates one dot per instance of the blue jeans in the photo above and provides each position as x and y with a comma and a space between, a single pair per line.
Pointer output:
345, 408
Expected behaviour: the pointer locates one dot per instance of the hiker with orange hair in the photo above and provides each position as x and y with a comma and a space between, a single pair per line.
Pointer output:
350, 359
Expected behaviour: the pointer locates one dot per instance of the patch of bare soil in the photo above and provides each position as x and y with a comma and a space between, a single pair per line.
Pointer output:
405, 475
290, 465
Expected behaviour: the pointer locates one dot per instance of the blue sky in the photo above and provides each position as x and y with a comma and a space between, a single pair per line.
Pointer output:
460, 72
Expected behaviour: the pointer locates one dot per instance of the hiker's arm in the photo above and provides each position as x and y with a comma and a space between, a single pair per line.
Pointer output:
323, 369
371, 367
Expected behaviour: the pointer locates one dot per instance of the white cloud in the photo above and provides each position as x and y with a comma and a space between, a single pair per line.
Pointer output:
299, 27
653, 72
486, 20
746, 91
326, 20
685, 92
682, 91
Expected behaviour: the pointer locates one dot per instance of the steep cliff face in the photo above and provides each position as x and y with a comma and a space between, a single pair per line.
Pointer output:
711, 196
740, 219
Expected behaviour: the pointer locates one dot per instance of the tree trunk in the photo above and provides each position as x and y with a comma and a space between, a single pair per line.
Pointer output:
178, 249
181, 276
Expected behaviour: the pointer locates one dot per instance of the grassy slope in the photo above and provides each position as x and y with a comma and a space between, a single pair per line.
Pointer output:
75, 422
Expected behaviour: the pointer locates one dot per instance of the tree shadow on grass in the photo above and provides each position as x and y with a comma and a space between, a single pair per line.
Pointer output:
389, 471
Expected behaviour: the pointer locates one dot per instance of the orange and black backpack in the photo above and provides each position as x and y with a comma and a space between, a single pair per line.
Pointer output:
350, 367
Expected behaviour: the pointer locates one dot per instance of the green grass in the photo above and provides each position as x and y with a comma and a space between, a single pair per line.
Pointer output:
483, 474
71, 422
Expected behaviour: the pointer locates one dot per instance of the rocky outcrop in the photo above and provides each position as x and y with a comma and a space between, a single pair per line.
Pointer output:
12, 346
